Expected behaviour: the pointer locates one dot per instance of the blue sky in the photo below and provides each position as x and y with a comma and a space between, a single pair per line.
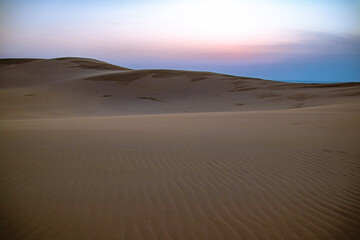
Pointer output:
298, 40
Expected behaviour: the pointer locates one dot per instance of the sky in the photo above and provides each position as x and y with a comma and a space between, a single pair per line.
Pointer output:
286, 40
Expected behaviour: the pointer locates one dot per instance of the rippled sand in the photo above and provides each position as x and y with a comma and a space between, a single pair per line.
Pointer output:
270, 172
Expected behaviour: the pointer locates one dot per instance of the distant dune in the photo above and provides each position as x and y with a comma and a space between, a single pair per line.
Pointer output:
85, 87
90, 150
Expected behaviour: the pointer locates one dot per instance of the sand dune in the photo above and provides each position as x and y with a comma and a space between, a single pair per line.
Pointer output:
100, 152
83, 87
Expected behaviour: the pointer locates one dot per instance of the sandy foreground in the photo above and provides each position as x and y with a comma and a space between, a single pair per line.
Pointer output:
169, 157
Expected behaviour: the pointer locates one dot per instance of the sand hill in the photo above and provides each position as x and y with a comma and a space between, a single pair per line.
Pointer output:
91, 150
40, 88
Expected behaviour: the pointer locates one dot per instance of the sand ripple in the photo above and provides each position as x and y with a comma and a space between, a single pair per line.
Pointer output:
143, 178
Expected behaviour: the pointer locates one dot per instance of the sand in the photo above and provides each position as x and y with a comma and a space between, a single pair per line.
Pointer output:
91, 151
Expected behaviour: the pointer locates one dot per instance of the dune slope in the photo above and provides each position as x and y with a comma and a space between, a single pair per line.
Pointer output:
94, 151
76, 86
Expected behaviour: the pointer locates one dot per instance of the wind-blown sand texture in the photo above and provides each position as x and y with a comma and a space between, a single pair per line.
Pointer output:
90, 150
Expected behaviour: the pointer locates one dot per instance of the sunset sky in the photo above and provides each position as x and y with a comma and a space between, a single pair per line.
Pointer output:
289, 40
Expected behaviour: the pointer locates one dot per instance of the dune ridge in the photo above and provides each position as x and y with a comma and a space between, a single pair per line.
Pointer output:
112, 153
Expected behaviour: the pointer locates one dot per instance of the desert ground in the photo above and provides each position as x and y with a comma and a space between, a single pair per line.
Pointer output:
90, 150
